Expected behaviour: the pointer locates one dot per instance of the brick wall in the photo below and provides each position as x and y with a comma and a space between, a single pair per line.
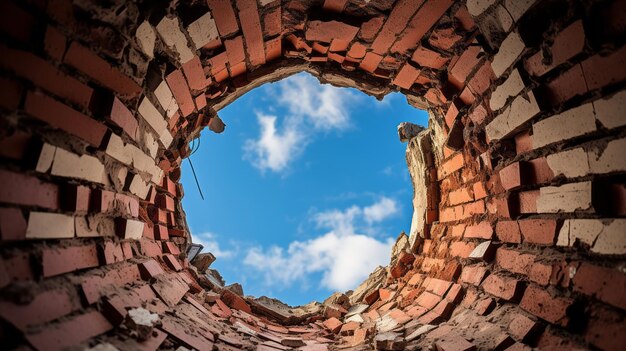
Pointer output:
517, 239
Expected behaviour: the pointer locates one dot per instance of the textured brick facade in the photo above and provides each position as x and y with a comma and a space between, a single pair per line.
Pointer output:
518, 238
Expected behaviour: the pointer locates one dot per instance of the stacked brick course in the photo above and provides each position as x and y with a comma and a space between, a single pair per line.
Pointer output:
518, 235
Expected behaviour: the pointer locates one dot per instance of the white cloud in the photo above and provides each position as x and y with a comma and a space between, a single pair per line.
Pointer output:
343, 256
381, 210
274, 150
310, 108
211, 245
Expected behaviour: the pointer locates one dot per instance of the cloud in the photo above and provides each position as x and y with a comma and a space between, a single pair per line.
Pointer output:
211, 245
310, 108
381, 210
274, 150
343, 256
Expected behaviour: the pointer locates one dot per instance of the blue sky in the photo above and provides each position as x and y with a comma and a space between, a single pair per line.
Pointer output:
305, 191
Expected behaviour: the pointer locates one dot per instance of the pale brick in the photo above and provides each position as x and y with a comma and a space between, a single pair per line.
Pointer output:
505, 19
610, 112
610, 160
572, 163
173, 37
477, 7
603, 236
152, 115
203, 30
166, 99
139, 188
564, 198
146, 38
133, 230
582, 230
566, 125
43, 225
517, 8
612, 239
67, 164
117, 149
521, 110
509, 51
511, 87
46, 156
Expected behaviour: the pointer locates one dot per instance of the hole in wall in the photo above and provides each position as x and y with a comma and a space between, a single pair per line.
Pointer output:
306, 190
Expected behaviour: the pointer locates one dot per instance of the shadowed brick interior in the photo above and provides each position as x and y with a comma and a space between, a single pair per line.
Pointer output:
518, 238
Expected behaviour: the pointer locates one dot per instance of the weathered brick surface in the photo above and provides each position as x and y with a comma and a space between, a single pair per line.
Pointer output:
517, 238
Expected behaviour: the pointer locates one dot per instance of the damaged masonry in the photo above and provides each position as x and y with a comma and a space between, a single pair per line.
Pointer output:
518, 234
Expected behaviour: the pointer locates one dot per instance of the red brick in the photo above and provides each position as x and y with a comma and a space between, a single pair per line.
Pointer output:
569, 84
70, 332
180, 90
482, 230
464, 66
473, 274
60, 260
503, 287
540, 273
428, 58
478, 114
528, 201
273, 49
539, 302
21, 189
370, 62
601, 71
111, 253
522, 327
224, 16
46, 76
11, 94
605, 284
395, 24
461, 249
170, 288
429, 14
606, 329
523, 142
512, 176
195, 74
479, 190
65, 118
55, 43
370, 28
538, 231
161, 232
454, 342
450, 166
451, 115
539, 171
567, 44
12, 224
218, 63
252, 32
406, 77
101, 71
444, 38
235, 301
482, 79
121, 115
94, 285
485, 306
272, 22
326, 32
44, 307
334, 5
165, 202
172, 262
150, 269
